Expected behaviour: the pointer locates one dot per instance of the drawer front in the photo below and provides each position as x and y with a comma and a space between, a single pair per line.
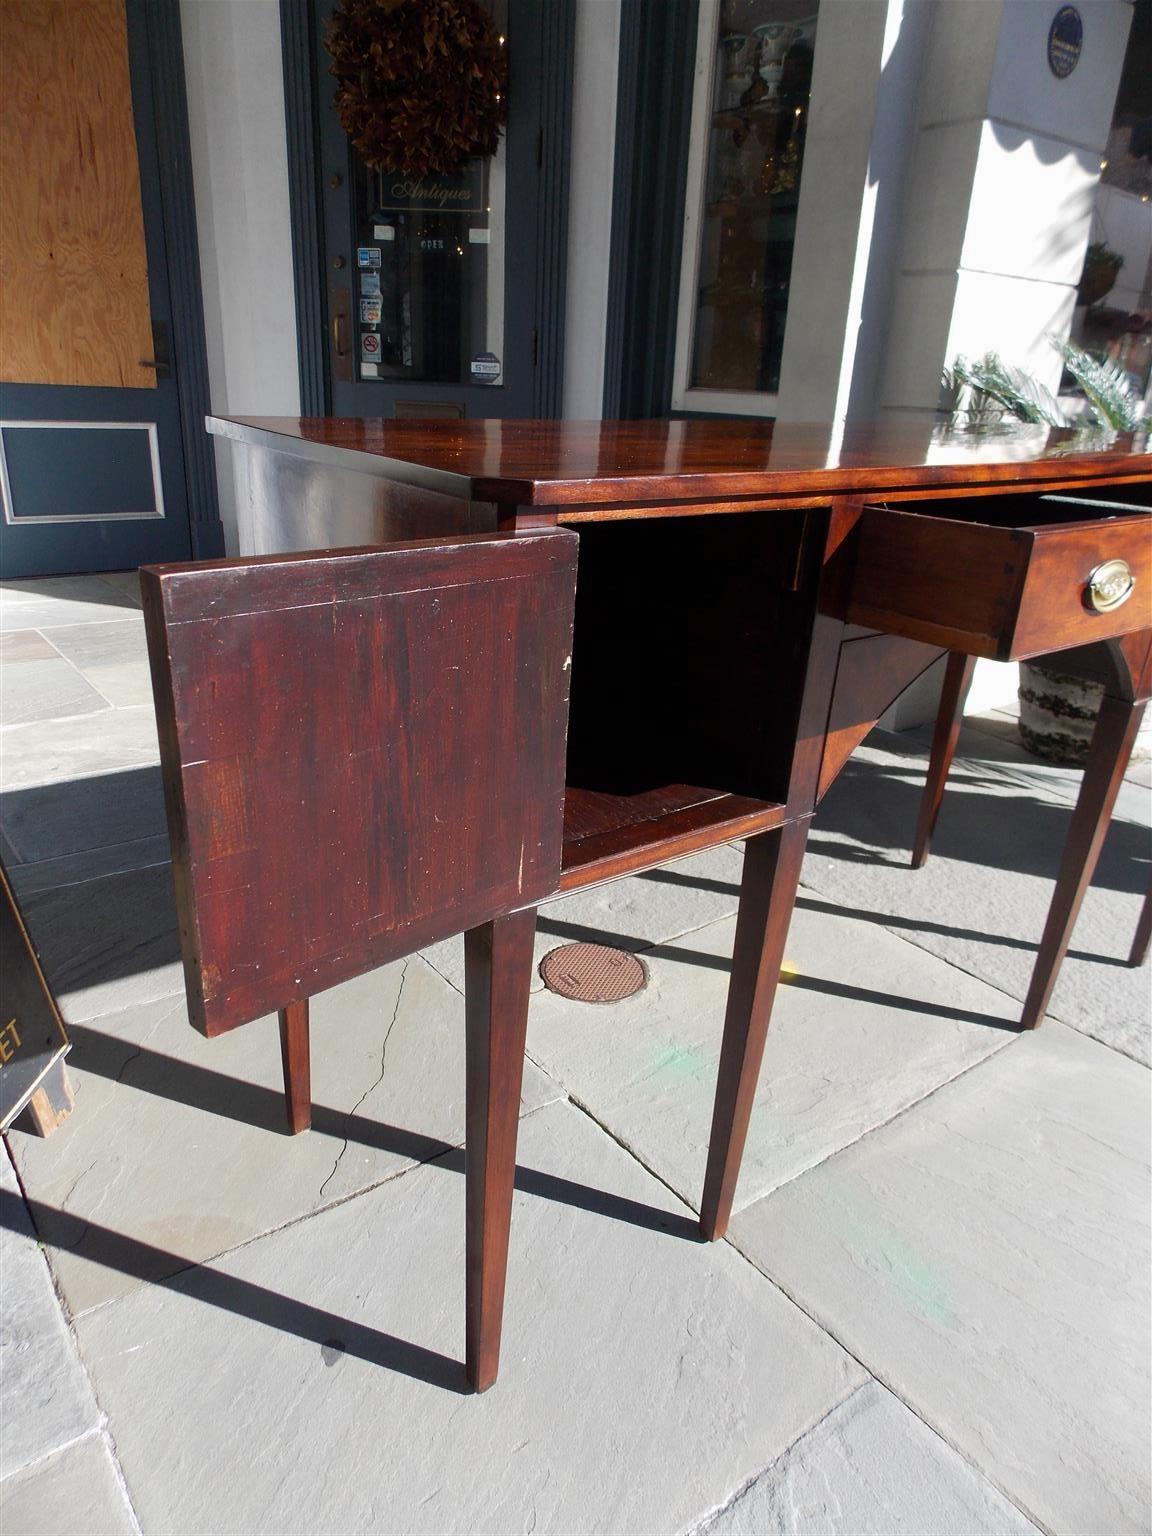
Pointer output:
1062, 606
1001, 592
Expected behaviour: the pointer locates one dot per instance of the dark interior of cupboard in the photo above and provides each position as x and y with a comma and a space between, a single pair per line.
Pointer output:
687, 668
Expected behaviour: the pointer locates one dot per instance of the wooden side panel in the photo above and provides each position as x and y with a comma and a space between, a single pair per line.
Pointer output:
871, 675
949, 583
363, 753
74, 305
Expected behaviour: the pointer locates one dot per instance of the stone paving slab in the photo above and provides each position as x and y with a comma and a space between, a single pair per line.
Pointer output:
102, 644
981, 900
125, 583
74, 1493
50, 750
311, 1382
46, 1399
112, 657
43, 690
52, 602
75, 816
108, 943
871, 1468
25, 645
631, 914
996, 745
987, 1256
868, 1026
179, 1142
77, 868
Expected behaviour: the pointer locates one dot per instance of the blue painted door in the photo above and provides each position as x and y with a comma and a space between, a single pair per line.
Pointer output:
92, 477
439, 289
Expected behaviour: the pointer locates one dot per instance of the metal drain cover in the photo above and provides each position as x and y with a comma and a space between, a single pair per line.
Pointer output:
593, 973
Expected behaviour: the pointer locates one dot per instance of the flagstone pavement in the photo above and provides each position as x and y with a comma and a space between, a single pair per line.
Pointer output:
932, 1311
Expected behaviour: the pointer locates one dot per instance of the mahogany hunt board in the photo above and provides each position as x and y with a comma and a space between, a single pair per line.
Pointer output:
467, 666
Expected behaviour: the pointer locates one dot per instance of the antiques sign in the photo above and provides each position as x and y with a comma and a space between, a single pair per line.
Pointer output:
464, 192
1065, 41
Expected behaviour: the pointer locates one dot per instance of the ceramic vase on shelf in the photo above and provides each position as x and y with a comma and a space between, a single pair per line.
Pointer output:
772, 42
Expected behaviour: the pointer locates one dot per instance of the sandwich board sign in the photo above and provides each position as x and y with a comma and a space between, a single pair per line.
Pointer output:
33, 1042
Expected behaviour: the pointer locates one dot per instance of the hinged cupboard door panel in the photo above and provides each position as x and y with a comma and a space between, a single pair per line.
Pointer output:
363, 753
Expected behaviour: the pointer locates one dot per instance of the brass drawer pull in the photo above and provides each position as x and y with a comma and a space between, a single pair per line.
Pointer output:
1109, 586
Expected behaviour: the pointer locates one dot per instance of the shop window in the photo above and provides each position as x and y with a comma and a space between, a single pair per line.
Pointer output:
1113, 316
753, 83
430, 277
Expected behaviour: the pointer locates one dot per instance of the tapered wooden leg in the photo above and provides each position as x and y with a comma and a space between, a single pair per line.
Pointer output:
1143, 932
498, 978
949, 718
767, 895
296, 1056
1112, 740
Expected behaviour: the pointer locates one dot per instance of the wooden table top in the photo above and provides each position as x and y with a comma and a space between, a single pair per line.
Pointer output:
567, 463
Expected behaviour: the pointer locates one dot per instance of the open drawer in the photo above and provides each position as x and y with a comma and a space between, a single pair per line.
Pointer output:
1006, 576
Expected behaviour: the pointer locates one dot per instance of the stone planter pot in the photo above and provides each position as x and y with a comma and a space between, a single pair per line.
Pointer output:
1058, 716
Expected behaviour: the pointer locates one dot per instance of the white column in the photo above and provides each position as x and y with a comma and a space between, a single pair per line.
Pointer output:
867, 67
592, 157
998, 206
234, 74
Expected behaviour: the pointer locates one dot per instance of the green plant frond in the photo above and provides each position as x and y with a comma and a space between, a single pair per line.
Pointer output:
1023, 397
1105, 384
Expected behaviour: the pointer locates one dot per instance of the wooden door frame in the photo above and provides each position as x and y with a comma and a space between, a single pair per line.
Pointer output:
182, 255
298, 38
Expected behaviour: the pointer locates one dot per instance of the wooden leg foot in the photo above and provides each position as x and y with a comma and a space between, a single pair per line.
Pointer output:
949, 719
767, 894
50, 1105
1116, 728
498, 978
295, 1053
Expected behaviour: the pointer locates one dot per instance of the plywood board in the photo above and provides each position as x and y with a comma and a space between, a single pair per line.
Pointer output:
74, 305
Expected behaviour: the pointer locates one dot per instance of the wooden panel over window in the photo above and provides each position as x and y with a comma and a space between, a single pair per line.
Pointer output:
74, 305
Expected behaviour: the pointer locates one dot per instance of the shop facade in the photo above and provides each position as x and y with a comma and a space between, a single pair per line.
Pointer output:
793, 208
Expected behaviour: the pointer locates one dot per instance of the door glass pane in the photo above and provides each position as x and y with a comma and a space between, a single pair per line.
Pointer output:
429, 255
755, 148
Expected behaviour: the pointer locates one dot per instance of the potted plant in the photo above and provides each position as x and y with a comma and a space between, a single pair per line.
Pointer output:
1101, 269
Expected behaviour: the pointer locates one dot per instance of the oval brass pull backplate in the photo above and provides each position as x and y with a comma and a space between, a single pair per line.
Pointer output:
1109, 585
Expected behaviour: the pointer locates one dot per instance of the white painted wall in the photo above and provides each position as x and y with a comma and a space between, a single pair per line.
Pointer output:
593, 148
233, 70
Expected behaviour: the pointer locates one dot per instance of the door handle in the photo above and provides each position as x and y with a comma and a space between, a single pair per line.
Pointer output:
340, 333
162, 361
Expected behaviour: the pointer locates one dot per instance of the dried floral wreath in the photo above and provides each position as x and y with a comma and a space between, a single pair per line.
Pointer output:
422, 84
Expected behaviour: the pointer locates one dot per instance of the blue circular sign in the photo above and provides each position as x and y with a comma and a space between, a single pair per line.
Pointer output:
1065, 41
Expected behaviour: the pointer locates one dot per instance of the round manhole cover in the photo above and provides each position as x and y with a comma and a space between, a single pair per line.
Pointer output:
593, 973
